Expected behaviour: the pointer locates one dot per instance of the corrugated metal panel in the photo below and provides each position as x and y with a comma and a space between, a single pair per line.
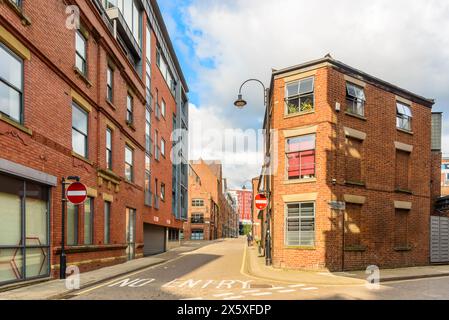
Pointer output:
436, 131
439, 239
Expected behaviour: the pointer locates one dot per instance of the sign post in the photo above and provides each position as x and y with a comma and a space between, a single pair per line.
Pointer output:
76, 194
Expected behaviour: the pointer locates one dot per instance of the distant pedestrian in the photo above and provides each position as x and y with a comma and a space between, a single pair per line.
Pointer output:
249, 237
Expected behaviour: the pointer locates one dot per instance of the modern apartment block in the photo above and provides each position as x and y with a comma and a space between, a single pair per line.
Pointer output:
354, 169
97, 100
210, 211
243, 198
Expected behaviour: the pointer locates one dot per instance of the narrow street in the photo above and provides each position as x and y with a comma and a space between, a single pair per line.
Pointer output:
214, 272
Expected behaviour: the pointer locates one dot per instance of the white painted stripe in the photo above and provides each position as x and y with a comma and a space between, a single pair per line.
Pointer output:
251, 291
233, 298
262, 294
261, 201
276, 288
296, 285
309, 288
76, 193
223, 294
286, 291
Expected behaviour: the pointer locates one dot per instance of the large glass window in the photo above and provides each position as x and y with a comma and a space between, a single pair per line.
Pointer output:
11, 84
131, 13
197, 218
109, 149
403, 116
355, 99
129, 163
110, 84
129, 109
88, 220
299, 96
72, 224
79, 130
148, 194
300, 224
24, 228
197, 235
107, 222
300, 155
81, 52
197, 203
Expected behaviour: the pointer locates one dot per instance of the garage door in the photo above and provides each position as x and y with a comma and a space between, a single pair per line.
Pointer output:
439, 239
154, 239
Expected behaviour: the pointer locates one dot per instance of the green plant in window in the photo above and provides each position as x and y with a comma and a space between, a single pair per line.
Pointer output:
306, 106
292, 108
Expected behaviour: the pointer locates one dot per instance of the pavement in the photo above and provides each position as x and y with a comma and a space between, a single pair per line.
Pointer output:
229, 270
255, 266
54, 289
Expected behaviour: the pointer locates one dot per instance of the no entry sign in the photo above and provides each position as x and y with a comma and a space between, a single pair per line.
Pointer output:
261, 201
76, 193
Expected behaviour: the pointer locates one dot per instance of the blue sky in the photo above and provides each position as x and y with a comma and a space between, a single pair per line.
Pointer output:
221, 43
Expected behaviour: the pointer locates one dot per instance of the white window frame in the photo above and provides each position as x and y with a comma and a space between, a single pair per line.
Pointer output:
355, 102
404, 116
299, 95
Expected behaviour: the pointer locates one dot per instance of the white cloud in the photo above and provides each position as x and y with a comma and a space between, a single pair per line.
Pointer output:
403, 42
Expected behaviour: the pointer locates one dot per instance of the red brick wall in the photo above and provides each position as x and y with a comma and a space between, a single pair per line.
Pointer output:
48, 80
378, 172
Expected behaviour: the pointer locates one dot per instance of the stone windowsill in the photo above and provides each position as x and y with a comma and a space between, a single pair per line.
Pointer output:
405, 131
299, 181
298, 114
407, 191
355, 183
80, 157
82, 76
355, 115
18, 10
16, 125
356, 248
403, 248
300, 247
111, 104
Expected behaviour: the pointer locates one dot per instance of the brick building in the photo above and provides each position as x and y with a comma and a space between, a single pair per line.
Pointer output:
445, 176
210, 212
99, 102
343, 137
243, 198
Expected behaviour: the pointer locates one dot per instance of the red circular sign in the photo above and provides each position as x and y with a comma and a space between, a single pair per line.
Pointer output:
76, 193
261, 201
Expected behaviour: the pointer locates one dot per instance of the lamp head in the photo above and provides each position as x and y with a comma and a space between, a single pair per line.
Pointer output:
240, 103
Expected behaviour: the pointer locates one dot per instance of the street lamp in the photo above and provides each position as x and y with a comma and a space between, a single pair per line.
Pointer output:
240, 103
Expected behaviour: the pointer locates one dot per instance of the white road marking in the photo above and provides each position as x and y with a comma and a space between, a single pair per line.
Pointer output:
251, 291
309, 288
286, 291
223, 294
233, 298
296, 285
276, 288
262, 294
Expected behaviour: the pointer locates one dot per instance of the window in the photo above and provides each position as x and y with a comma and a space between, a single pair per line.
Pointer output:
148, 43
17, 2
163, 191
72, 224
129, 161
300, 96
131, 14
110, 82
403, 116
197, 235
107, 222
355, 99
353, 221
300, 155
197, 218
109, 149
156, 195
300, 224
88, 220
163, 147
80, 59
129, 109
163, 106
197, 203
148, 194
11, 85
79, 130
148, 131
156, 146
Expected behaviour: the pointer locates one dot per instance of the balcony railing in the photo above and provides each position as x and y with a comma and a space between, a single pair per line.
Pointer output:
197, 220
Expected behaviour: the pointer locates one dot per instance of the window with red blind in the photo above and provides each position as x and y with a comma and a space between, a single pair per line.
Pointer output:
300, 155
